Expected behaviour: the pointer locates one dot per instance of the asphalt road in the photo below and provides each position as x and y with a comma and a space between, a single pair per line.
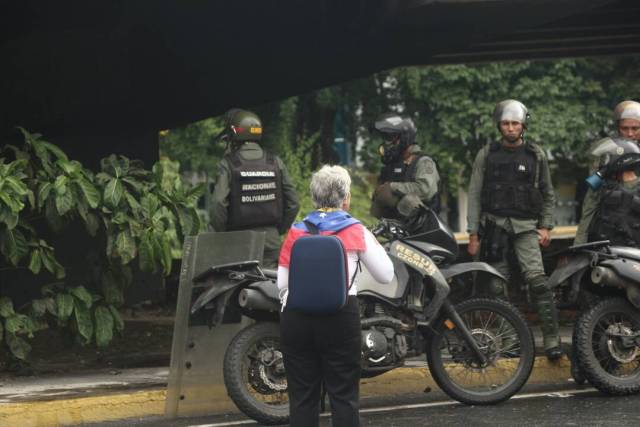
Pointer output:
581, 406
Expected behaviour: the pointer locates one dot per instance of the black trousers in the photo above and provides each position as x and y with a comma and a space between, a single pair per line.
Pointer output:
322, 348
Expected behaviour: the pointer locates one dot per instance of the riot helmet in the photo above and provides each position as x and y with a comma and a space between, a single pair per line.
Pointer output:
397, 132
617, 154
242, 125
627, 110
614, 155
512, 111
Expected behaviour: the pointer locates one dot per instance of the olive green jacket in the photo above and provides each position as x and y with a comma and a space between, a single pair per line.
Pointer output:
410, 195
475, 214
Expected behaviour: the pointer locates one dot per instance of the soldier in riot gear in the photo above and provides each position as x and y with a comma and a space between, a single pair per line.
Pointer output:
408, 178
253, 190
613, 211
512, 196
626, 116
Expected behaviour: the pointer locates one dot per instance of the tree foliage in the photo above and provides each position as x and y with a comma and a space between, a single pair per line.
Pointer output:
138, 213
570, 102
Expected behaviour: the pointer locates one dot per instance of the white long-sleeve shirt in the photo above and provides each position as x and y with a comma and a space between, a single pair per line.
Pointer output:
374, 258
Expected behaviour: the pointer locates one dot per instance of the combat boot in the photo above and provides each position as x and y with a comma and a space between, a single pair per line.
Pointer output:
543, 303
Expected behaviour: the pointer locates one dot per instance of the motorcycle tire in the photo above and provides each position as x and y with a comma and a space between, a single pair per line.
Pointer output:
519, 354
591, 339
240, 370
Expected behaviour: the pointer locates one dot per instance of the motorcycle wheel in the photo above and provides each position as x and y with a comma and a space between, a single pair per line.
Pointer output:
608, 365
254, 374
504, 338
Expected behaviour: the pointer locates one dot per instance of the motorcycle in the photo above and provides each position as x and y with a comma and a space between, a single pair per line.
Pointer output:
479, 352
604, 281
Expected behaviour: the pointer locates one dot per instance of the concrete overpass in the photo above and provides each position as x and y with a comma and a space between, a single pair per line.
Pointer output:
114, 72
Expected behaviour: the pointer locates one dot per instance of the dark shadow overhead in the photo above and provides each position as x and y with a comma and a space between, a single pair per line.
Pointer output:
142, 65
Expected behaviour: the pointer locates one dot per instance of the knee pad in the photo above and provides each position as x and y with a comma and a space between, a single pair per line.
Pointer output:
538, 285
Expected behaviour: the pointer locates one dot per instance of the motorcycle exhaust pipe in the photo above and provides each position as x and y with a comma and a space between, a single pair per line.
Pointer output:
606, 276
255, 300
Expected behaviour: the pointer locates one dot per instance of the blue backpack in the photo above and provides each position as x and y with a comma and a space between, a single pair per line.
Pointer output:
318, 274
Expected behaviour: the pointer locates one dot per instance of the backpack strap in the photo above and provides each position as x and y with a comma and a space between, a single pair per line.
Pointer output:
353, 278
313, 229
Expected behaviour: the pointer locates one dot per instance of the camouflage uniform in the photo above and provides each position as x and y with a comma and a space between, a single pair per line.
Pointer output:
396, 198
220, 207
523, 238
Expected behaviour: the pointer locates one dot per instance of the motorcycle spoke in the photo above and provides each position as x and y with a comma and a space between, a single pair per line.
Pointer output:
601, 346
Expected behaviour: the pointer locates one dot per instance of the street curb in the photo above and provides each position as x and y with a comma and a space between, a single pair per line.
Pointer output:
116, 406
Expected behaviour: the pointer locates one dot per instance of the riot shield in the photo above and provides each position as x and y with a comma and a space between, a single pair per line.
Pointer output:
196, 384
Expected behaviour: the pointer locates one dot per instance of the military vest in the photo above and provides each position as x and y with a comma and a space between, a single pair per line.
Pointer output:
618, 215
510, 188
402, 172
255, 198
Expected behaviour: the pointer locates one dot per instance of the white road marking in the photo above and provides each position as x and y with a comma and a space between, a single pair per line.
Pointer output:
562, 394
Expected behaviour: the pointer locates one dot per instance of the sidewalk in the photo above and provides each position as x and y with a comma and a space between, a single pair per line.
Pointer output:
56, 400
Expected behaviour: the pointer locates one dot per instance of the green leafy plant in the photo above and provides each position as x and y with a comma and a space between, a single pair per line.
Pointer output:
137, 213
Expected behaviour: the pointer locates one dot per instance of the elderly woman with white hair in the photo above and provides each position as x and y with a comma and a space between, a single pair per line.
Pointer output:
326, 348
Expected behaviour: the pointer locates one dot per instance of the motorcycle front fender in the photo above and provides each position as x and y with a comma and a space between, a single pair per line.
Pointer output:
424, 265
576, 264
468, 267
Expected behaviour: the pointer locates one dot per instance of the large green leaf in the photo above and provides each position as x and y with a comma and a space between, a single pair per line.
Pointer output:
35, 264
18, 187
54, 149
6, 307
51, 306
43, 193
117, 318
133, 203
18, 346
146, 253
50, 263
10, 220
68, 167
104, 326
64, 202
13, 245
18, 324
91, 193
125, 246
113, 193
82, 294
150, 205
60, 184
64, 302
14, 203
83, 320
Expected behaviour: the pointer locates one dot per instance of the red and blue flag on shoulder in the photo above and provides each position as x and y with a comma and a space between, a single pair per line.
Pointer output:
329, 222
